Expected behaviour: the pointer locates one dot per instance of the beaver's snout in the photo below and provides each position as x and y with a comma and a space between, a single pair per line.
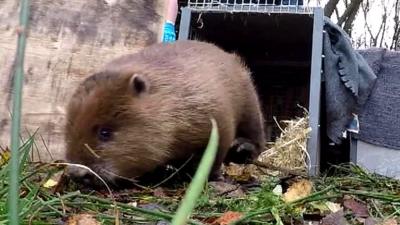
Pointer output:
88, 179
80, 175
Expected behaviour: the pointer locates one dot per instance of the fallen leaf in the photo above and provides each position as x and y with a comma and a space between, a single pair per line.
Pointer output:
62, 182
226, 189
277, 190
336, 218
298, 190
227, 218
53, 180
5, 155
388, 222
82, 219
359, 209
50, 183
333, 207
238, 172
370, 221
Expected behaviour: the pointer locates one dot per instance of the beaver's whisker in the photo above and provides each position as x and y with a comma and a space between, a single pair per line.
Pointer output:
174, 173
91, 150
132, 180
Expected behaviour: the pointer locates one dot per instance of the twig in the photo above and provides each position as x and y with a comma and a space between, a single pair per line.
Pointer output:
276, 121
383, 197
62, 203
46, 147
377, 209
397, 211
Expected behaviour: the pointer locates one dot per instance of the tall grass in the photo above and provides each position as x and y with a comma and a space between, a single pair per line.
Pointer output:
16, 113
7, 170
39, 205
200, 178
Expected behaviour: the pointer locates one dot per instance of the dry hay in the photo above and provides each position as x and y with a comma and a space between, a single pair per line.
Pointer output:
289, 151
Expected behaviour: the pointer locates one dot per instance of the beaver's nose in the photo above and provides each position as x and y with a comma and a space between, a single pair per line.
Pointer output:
80, 175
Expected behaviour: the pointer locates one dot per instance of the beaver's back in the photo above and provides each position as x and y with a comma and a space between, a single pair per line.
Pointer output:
197, 75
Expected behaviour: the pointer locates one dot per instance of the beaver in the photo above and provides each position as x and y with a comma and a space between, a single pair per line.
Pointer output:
146, 109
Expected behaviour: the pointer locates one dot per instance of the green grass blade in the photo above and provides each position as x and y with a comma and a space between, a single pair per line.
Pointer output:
196, 186
16, 119
24, 151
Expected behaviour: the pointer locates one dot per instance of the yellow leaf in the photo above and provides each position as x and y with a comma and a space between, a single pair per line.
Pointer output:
5, 156
298, 190
54, 180
50, 183
333, 207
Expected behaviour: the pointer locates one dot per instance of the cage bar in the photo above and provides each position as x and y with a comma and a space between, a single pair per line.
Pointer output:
260, 6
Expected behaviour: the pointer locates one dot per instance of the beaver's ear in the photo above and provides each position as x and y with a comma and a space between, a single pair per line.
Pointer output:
139, 84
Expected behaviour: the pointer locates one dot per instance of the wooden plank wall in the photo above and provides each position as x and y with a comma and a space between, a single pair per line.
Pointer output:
68, 40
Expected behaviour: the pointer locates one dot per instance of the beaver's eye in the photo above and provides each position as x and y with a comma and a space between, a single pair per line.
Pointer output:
104, 134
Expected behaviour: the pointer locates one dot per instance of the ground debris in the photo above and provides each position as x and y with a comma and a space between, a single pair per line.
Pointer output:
227, 218
82, 219
227, 189
298, 190
358, 208
336, 218
388, 222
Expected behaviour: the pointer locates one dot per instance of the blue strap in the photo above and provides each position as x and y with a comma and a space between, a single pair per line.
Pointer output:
169, 32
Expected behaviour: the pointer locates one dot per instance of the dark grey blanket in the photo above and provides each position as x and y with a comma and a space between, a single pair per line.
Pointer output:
380, 118
348, 80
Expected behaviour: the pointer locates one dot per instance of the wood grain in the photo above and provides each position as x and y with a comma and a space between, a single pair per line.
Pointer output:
67, 41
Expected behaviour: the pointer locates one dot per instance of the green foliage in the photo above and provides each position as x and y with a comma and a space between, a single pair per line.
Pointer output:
39, 205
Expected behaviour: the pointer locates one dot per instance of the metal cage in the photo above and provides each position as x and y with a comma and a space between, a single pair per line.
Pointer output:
260, 6
292, 11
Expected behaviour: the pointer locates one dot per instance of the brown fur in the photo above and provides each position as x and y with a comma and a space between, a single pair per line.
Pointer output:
186, 83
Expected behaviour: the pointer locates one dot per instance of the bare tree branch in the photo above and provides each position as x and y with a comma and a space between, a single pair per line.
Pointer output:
354, 6
330, 7
337, 13
395, 39
349, 16
348, 25
365, 9
384, 20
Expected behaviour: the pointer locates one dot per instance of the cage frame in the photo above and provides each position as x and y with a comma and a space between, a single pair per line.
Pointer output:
314, 106
274, 6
